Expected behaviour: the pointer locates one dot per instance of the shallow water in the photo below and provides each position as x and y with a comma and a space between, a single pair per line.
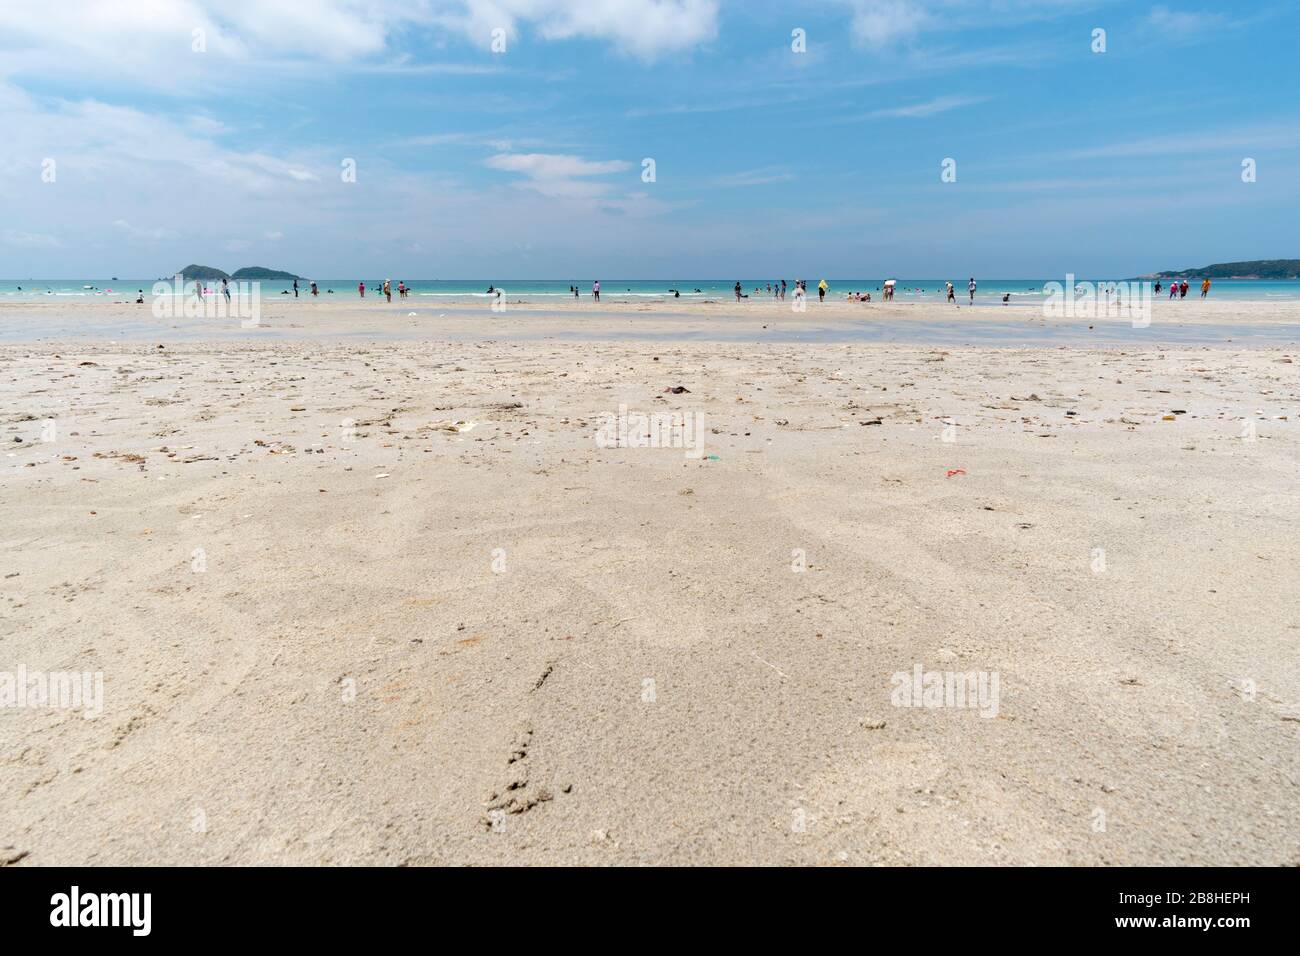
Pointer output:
426, 325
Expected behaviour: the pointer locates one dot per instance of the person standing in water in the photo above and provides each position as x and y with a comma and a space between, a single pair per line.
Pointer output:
361, 288
295, 288
595, 290
971, 286
388, 289
225, 290
821, 290
1205, 287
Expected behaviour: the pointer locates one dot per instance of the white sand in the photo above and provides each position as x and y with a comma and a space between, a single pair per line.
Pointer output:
648, 679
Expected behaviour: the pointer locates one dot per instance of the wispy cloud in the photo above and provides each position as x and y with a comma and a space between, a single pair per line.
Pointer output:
940, 104
29, 240
1184, 24
755, 177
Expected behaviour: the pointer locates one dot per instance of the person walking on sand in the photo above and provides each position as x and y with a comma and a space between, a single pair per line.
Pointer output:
595, 290
1182, 289
1205, 287
821, 290
225, 290
952, 293
971, 287
1173, 289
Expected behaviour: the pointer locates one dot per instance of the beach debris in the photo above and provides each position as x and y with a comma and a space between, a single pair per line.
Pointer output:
445, 426
382, 474
953, 472
872, 723
677, 390
712, 458
874, 421
1031, 397
550, 667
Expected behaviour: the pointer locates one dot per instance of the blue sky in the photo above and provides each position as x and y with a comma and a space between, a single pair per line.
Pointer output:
528, 162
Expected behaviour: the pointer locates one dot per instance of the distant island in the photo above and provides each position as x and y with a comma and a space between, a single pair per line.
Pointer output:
255, 273
1253, 269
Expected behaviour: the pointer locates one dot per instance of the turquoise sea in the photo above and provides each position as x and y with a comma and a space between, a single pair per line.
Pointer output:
541, 291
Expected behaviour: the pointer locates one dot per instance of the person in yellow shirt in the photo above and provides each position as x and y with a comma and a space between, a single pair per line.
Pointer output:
821, 290
1205, 287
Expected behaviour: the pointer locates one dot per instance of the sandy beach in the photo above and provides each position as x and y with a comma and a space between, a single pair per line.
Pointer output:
365, 588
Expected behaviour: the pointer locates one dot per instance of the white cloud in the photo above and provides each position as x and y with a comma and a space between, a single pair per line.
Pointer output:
880, 23
183, 46
643, 28
558, 175
884, 24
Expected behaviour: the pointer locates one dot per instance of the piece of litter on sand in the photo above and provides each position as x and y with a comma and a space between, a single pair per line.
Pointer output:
712, 458
383, 474
956, 471
410, 313
678, 389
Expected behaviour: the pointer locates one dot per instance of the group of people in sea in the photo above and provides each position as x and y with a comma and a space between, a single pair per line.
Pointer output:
386, 287
1178, 290
886, 291
778, 288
